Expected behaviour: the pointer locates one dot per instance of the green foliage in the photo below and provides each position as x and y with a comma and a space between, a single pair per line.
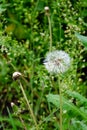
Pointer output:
24, 42
66, 105
69, 107
82, 100
83, 39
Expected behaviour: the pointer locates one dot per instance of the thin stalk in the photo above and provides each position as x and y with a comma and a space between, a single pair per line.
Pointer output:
60, 93
60, 89
29, 107
60, 32
50, 29
22, 122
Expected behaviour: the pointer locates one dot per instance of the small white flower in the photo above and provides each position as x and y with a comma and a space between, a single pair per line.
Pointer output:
16, 75
57, 61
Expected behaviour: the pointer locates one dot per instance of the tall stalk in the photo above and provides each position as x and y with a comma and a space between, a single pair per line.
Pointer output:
29, 107
50, 28
50, 49
60, 93
50, 31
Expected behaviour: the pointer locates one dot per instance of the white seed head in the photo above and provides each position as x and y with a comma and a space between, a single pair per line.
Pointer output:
16, 75
57, 61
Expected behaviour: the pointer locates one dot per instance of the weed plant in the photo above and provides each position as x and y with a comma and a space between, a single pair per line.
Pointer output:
27, 34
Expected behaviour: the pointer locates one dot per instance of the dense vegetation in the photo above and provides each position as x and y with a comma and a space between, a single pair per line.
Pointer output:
26, 32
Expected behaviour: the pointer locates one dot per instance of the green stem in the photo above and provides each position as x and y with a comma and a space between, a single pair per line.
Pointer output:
50, 29
60, 93
29, 107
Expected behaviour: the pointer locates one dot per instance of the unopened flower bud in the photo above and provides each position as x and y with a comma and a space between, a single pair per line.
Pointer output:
12, 104
46, 10
16, 75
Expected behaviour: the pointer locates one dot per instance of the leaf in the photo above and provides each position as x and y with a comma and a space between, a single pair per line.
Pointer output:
3, 7
54, 99
11, 120
83, 3
79, 97
17, 122
78, 124
82, 38
40, 5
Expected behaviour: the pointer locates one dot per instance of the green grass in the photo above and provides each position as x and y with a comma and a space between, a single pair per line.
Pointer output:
26, 36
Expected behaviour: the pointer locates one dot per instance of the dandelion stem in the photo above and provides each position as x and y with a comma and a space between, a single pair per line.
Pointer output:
29, 107
50, 29
60, 93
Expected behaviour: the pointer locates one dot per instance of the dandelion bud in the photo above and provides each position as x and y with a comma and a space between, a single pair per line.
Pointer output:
16, 75
46, 10
12, 104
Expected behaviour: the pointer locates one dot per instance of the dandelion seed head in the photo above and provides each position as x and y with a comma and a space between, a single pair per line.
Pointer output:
57, 61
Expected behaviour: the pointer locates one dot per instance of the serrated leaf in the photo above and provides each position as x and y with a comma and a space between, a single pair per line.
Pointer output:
54, 99
77, 96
